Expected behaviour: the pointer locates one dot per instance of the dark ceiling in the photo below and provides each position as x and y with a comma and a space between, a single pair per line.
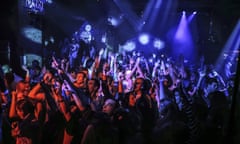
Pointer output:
227, 10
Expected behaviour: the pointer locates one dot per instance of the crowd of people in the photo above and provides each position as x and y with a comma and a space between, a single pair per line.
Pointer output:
105, 97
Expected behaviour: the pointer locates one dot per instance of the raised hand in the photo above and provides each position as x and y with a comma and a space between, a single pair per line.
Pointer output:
67, 87
15, 129
120, 76
54, 63
101, 52
24, 67
47, 78
202, 73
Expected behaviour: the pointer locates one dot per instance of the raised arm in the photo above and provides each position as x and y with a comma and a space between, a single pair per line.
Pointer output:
77, 100
134, 68
61, 103
12, 111
36, 92
202, 73
27, 77
156, 65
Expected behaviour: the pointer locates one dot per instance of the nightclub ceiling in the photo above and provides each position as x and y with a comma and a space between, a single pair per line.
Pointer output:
93, 10
216, 19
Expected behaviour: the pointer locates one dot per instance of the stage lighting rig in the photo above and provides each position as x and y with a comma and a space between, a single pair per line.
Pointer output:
36, 6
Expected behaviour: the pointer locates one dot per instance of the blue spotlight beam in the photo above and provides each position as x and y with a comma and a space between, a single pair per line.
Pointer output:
182, 42
190, 18
168, 6
232, 46
132, 17
181, 30
146, 13
156, 14
233, 125
150, 13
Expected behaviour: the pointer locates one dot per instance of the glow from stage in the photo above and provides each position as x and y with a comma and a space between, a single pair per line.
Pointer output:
32, 34
129, 46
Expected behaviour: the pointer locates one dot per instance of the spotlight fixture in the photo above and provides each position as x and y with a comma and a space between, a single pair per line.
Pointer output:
144, 38
157, 43
183, 12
